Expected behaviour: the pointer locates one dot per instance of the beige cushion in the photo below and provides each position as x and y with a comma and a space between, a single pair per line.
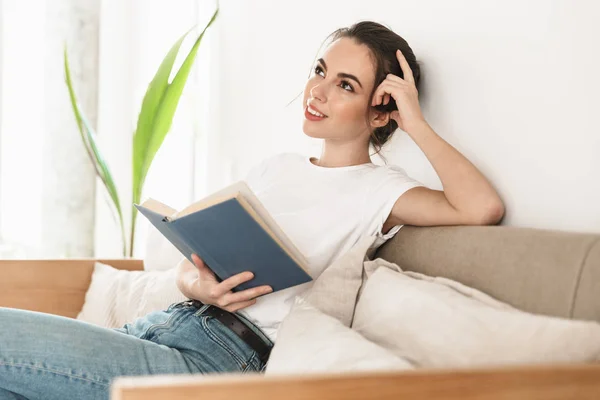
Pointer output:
116, 297
586, 301
541, 271
311, 341
437, 322
335, 291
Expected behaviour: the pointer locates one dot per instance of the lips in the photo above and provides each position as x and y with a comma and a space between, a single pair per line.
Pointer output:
312, 117
317, 110
314, 108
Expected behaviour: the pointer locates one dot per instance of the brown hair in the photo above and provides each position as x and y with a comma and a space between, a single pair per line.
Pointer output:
383, 43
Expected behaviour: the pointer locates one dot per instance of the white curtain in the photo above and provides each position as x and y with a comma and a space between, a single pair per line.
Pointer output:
22, 29
132, 39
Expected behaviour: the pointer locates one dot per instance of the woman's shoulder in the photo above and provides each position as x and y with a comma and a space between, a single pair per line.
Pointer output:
391, 176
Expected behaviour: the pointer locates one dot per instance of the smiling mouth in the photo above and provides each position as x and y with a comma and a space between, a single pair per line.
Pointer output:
310, 116
315, 112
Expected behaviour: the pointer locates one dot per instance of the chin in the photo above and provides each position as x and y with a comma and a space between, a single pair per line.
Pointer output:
310, 131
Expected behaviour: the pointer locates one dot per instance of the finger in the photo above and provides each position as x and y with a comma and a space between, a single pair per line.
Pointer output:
387, 88
374, 102
408, 75
247, 294
386, 99
395, 79
228, 284
203, 270
197, 260
238, 306
378, 96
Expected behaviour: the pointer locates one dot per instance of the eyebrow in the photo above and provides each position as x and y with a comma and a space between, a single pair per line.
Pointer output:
342, 74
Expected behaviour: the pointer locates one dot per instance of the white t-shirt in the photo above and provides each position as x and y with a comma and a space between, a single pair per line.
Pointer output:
324, 211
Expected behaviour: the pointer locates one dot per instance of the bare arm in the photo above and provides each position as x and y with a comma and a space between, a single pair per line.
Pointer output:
467, 198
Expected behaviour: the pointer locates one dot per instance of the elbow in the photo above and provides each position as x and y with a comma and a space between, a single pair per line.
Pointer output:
492, 213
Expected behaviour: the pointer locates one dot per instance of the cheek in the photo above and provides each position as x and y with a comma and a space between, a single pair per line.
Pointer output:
350, 110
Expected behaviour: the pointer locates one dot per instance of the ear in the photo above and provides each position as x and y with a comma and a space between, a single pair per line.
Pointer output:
378, 118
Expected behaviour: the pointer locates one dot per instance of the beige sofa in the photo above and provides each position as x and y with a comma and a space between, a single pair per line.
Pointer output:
548, 272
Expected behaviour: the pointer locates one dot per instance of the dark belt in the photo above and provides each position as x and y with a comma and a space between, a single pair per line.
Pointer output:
237, 326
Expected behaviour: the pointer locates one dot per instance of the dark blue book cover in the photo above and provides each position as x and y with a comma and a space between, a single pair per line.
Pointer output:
229, 241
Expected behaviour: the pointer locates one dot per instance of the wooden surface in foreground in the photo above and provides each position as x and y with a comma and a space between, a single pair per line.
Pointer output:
581, 382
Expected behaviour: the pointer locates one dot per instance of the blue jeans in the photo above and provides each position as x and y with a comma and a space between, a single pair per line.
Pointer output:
48, 357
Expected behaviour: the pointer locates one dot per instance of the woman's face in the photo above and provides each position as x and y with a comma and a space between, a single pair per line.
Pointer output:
339, 89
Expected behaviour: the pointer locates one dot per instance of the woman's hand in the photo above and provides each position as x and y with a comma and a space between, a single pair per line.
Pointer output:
198, 282
404, 93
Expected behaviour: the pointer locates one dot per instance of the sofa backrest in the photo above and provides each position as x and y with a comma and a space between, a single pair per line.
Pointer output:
541, 271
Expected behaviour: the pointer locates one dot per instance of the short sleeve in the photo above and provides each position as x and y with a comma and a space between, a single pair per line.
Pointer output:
388, 187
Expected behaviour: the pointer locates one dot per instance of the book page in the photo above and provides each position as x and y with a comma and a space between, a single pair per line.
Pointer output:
234, 190
159, 207
275, 230
226, 193
288, 248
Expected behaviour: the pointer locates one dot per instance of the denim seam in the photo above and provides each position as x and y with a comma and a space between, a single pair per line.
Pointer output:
220, 342
154, 327
176, 305
200, 311
252, 363
55, 372
174, 323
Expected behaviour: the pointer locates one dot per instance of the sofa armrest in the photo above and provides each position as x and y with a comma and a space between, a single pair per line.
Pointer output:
51, 286
576, 381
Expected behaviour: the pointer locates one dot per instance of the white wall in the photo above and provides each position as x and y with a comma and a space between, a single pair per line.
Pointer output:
135, 36
513, 84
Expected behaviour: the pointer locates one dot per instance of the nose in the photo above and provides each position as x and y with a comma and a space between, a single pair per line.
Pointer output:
318, 92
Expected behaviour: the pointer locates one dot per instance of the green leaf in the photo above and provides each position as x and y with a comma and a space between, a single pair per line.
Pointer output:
157, 111
89, 140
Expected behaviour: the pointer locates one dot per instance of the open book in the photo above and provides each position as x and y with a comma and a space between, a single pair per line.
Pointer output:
232, 232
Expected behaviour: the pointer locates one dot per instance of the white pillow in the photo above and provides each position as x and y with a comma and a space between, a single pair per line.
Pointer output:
116, 297
334, 292
160, 254
436, 322
311, 341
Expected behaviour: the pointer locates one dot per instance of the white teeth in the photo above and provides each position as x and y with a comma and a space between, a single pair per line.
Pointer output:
313, 112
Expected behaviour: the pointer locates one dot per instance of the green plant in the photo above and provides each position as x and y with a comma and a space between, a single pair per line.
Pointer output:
154, 122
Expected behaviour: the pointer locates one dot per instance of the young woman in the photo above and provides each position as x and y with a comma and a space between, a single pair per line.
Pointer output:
362, 89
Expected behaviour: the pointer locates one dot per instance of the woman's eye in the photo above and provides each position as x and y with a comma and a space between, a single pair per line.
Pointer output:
346, 86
